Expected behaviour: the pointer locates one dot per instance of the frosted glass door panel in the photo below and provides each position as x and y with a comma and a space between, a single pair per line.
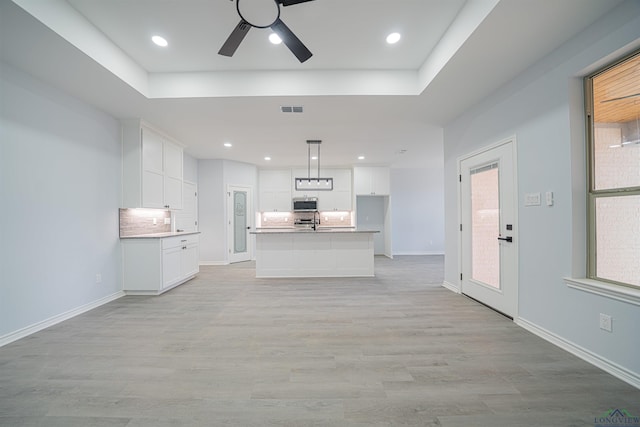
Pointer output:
240, 222
485, 223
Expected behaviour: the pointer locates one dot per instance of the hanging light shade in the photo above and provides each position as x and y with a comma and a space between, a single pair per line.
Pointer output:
315, 184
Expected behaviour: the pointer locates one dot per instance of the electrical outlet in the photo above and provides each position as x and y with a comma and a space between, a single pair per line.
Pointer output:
98, 278
606, 322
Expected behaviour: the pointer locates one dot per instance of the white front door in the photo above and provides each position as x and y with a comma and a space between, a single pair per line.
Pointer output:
239, 211
489, 251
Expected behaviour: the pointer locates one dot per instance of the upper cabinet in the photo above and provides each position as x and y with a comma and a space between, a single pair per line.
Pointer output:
152, 168
371, 181
339, 199
275, 190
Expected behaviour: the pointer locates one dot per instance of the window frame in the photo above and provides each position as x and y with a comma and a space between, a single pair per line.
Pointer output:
592, 194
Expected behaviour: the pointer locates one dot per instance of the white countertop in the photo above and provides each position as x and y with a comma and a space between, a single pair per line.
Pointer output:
320, 230
160, 235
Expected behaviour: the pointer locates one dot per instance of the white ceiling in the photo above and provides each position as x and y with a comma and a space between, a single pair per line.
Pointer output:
360, 95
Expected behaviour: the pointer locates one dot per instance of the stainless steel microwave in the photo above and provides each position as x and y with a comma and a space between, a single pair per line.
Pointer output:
305, 204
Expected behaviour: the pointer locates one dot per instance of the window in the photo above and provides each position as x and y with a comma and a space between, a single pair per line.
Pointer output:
613, 116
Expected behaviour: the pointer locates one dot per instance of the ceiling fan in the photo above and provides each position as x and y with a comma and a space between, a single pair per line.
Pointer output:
286, 35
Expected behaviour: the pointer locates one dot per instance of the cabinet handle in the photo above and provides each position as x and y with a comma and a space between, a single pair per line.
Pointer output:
183, 240
184, 247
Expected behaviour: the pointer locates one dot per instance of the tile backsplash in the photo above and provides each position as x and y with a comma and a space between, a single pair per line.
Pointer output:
144, 221
288, 219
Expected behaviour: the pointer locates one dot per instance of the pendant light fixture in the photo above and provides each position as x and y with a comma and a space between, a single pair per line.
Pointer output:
313, 184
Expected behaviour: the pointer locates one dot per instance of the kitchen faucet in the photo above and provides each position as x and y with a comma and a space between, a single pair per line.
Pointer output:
315, 224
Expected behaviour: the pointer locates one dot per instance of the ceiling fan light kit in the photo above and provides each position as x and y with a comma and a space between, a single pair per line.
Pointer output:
238, 34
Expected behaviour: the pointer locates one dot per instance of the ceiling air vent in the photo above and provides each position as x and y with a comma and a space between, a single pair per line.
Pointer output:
291, 109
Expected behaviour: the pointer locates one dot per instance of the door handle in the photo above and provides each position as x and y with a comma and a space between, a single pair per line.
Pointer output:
506, 239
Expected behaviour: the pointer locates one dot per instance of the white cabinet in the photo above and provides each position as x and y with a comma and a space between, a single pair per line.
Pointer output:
371, 181
154, 265
275, 190
179, 259
152, 168
339, 199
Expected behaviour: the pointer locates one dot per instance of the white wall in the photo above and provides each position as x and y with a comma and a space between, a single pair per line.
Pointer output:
543, 109
417, 203
211, 212
60, 186
370, 215
190, 168
214, 176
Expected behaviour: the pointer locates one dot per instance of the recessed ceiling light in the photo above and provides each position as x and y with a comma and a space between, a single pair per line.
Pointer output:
160, 41
393, 38
360, 157
267, 158
274, 38
228, 144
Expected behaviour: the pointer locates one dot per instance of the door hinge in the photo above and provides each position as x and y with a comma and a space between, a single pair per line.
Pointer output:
460, 178
460, 227
460, 276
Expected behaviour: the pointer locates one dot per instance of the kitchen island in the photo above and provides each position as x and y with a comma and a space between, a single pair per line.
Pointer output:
304, 252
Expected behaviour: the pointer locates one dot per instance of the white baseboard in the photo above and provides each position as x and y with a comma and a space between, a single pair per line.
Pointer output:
417, 253
36, 327
451, 287
214, 263
606, 365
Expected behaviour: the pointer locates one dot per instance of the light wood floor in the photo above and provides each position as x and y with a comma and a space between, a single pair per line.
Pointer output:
227, 349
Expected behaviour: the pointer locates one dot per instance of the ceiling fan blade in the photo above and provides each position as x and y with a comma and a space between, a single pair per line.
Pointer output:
291, 2
293, 43
235, 38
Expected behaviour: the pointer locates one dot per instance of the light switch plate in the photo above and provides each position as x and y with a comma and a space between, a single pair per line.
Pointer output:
532, 199
606, 322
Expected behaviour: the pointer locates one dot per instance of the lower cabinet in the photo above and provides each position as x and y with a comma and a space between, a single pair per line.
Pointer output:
154, 265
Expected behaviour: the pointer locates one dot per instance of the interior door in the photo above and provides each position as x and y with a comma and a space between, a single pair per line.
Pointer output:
239, 206
488, 231
187, 218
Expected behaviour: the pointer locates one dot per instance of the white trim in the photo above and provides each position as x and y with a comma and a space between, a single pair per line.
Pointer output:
214, 263
451, 287
36, 327
608, 290
417, 253
598, 361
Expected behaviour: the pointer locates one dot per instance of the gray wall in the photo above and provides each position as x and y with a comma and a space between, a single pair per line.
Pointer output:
190, 169
211, 211
543, 108
417, 211
60, 186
